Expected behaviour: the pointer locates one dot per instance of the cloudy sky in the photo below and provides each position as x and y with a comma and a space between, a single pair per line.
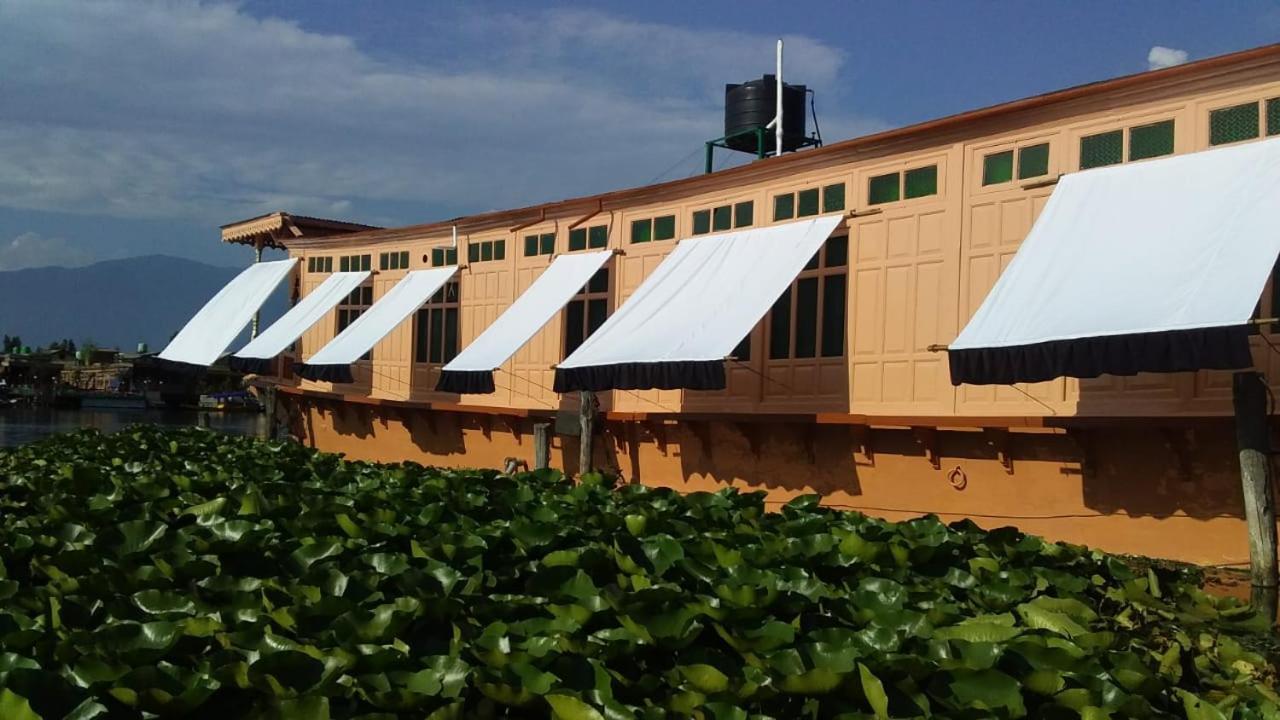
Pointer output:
130, 127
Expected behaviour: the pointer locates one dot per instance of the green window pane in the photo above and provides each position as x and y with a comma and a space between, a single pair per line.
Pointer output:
574, 324
1101, 149
547, 244
641, 231
833, 300
780, 327
997, 168
530, 245
452, 256
883, 189
807, 202
420, 329
437, 257
784, 207
722, 218
311, 265
743, 350
450, 333
837, 251
598, 236
486, 250
364, 261
436, 354
344, 263
1148, 141
1233, 124
921, 182
599, 282
806, 317
1033, 161
473, 252
664, 228
328, 264
833, 198
404, 259
744, 214
578, 239
383, 262
597, 312
1273, 116
499, 249
702, 222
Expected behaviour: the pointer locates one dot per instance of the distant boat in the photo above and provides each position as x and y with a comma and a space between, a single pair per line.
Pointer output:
112, 401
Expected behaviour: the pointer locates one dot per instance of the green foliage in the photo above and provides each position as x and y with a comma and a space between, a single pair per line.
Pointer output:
189, 574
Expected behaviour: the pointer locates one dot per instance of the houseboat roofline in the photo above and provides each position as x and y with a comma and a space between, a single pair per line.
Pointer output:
884, 142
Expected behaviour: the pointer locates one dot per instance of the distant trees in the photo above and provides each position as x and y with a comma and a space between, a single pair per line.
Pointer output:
12, 344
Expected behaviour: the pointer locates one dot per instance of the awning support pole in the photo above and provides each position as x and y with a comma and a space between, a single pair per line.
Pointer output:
257, 316
586, 426
541, 445
1249, 396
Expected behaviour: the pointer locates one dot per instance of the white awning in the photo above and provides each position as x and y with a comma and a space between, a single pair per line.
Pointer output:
472, 370
208, 334
1151, 266
333, 361
255, 356
677, 328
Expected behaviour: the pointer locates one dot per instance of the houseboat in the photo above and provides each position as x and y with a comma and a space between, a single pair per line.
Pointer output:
839, 388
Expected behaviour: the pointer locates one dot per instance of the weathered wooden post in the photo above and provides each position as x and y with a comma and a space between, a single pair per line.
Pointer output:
541, 445
1249, 394
587, 423
269, 398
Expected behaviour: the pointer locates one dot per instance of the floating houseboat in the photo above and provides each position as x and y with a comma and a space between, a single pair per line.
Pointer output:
438, 343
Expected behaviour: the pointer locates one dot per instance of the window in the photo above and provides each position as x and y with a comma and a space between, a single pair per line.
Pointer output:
544, 244
1233, 124
997, 168
914, 183
1102, 149
1144, 141
805, 202
353, 306
596, 236
320, 264
486, 250
659, 228
394, 260
435, 331
587, 311
443, 256
1032, 161
724, 217
808, 319
1148, 141
353, 263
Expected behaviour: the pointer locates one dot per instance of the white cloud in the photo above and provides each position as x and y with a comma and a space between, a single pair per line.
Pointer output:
202, 111
1163, 57
32, 250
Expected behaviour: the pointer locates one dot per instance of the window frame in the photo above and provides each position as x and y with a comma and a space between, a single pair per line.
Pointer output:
347, 311
819, 275
446, 300
590, 293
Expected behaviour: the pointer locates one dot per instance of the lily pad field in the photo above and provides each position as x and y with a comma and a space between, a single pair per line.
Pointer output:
185, 573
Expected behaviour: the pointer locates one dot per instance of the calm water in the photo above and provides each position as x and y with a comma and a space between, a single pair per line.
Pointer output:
19, 426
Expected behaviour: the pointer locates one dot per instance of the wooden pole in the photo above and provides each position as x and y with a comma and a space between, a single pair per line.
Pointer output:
269, 399
257, 314
587, 423
1249, 394
541, 446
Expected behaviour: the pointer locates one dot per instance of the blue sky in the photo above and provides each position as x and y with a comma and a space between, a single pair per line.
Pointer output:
131, 127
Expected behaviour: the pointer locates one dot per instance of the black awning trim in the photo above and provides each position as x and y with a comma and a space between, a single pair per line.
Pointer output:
1216, 348
250, 366
473, 382
327, 373
676, 375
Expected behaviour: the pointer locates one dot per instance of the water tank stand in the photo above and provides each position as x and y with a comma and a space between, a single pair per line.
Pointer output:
761, 148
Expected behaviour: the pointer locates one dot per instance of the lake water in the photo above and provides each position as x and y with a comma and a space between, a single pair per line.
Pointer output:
19, 426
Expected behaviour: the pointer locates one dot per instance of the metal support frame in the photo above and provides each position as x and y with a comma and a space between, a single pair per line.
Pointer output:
762, 150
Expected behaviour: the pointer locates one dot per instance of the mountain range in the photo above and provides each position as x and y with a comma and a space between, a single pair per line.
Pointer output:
114, 303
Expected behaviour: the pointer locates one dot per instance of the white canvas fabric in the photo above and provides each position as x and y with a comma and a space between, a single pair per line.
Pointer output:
383, 316
705, 296
1180, 243
557, 285
209, 333
283, 332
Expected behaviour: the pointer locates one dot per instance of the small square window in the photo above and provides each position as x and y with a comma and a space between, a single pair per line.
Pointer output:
784, 207
383, 262
641, 231
807, 202
328, 264
883, 188
499, 249
364, 261
1273, 116
578, 239
1033, 161
1148, 141
722, 218
833, 198
598, 236
486, 251
451, 256
997, 168
473, 252
1101, 150
530, 245
344, 263
702, 222
920, 182
437, 257
311, 264
404, 259
547, 244
1233, 124
664, 228
744, 214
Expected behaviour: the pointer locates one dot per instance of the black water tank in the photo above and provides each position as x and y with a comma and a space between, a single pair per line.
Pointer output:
752, 104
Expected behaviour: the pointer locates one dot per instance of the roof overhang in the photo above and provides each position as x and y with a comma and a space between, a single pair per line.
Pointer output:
274, 230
